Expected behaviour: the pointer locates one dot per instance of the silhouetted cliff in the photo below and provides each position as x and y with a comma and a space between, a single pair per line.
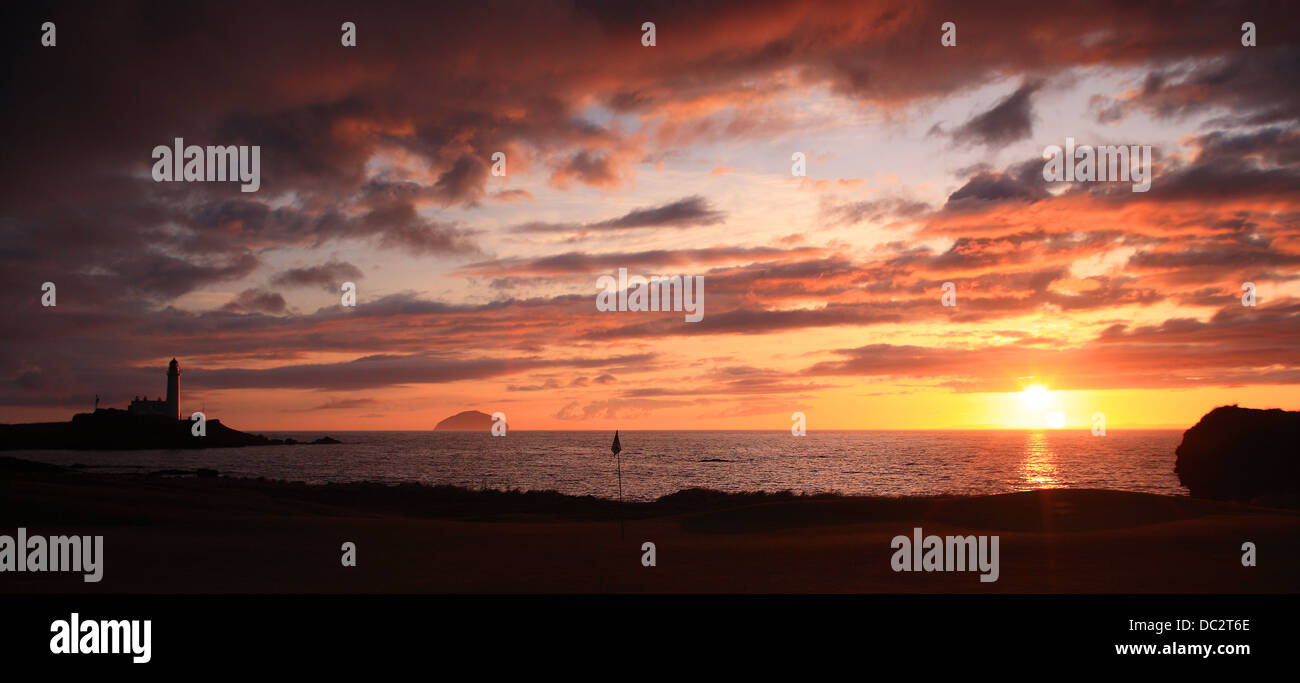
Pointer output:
111, 429
1243, 454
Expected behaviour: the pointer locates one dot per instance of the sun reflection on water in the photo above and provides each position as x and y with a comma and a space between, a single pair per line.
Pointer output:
1039, 466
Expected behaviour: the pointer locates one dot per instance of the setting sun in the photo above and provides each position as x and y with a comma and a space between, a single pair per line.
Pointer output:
1036, 396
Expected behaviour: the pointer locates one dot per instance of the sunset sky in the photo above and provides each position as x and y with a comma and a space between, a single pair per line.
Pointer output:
822, 293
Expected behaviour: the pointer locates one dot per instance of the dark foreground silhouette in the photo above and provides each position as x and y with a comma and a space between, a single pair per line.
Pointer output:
1243, 454
115, 430
204, 534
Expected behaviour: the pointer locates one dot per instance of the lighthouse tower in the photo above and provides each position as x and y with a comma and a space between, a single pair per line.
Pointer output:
174, 389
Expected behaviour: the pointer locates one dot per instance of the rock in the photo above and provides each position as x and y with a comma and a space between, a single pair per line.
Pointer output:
326, 440
1243, 454
110, 429
467, 421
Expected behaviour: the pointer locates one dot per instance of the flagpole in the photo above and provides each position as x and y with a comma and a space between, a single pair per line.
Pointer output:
617, 448
619, 459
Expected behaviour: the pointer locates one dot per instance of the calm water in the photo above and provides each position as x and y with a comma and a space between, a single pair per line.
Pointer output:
656, 463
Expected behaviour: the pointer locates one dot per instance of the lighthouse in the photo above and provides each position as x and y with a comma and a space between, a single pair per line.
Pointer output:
174, 389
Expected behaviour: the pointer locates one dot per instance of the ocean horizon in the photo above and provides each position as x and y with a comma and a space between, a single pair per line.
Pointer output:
660, 462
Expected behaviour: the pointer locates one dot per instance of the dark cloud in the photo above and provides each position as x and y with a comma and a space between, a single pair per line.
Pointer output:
328, 275
400, 226
995, 186
462, 183
875, 210
684, 213
1009, 120
390, 370
1232, 167
1254, 86
574, 262
393, 223
1209, 354
256, 301
590, 168
342, 404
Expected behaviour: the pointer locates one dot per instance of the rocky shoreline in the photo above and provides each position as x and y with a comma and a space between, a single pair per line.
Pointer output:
118, 430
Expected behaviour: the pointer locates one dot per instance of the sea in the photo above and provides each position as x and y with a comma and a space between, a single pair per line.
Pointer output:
657, 463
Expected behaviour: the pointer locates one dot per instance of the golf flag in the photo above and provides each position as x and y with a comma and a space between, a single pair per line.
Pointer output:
617, 446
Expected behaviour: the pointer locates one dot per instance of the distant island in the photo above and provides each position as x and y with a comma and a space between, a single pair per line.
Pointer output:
467, 421
143, 425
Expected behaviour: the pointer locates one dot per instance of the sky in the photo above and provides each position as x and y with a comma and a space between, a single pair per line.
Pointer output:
823, 292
